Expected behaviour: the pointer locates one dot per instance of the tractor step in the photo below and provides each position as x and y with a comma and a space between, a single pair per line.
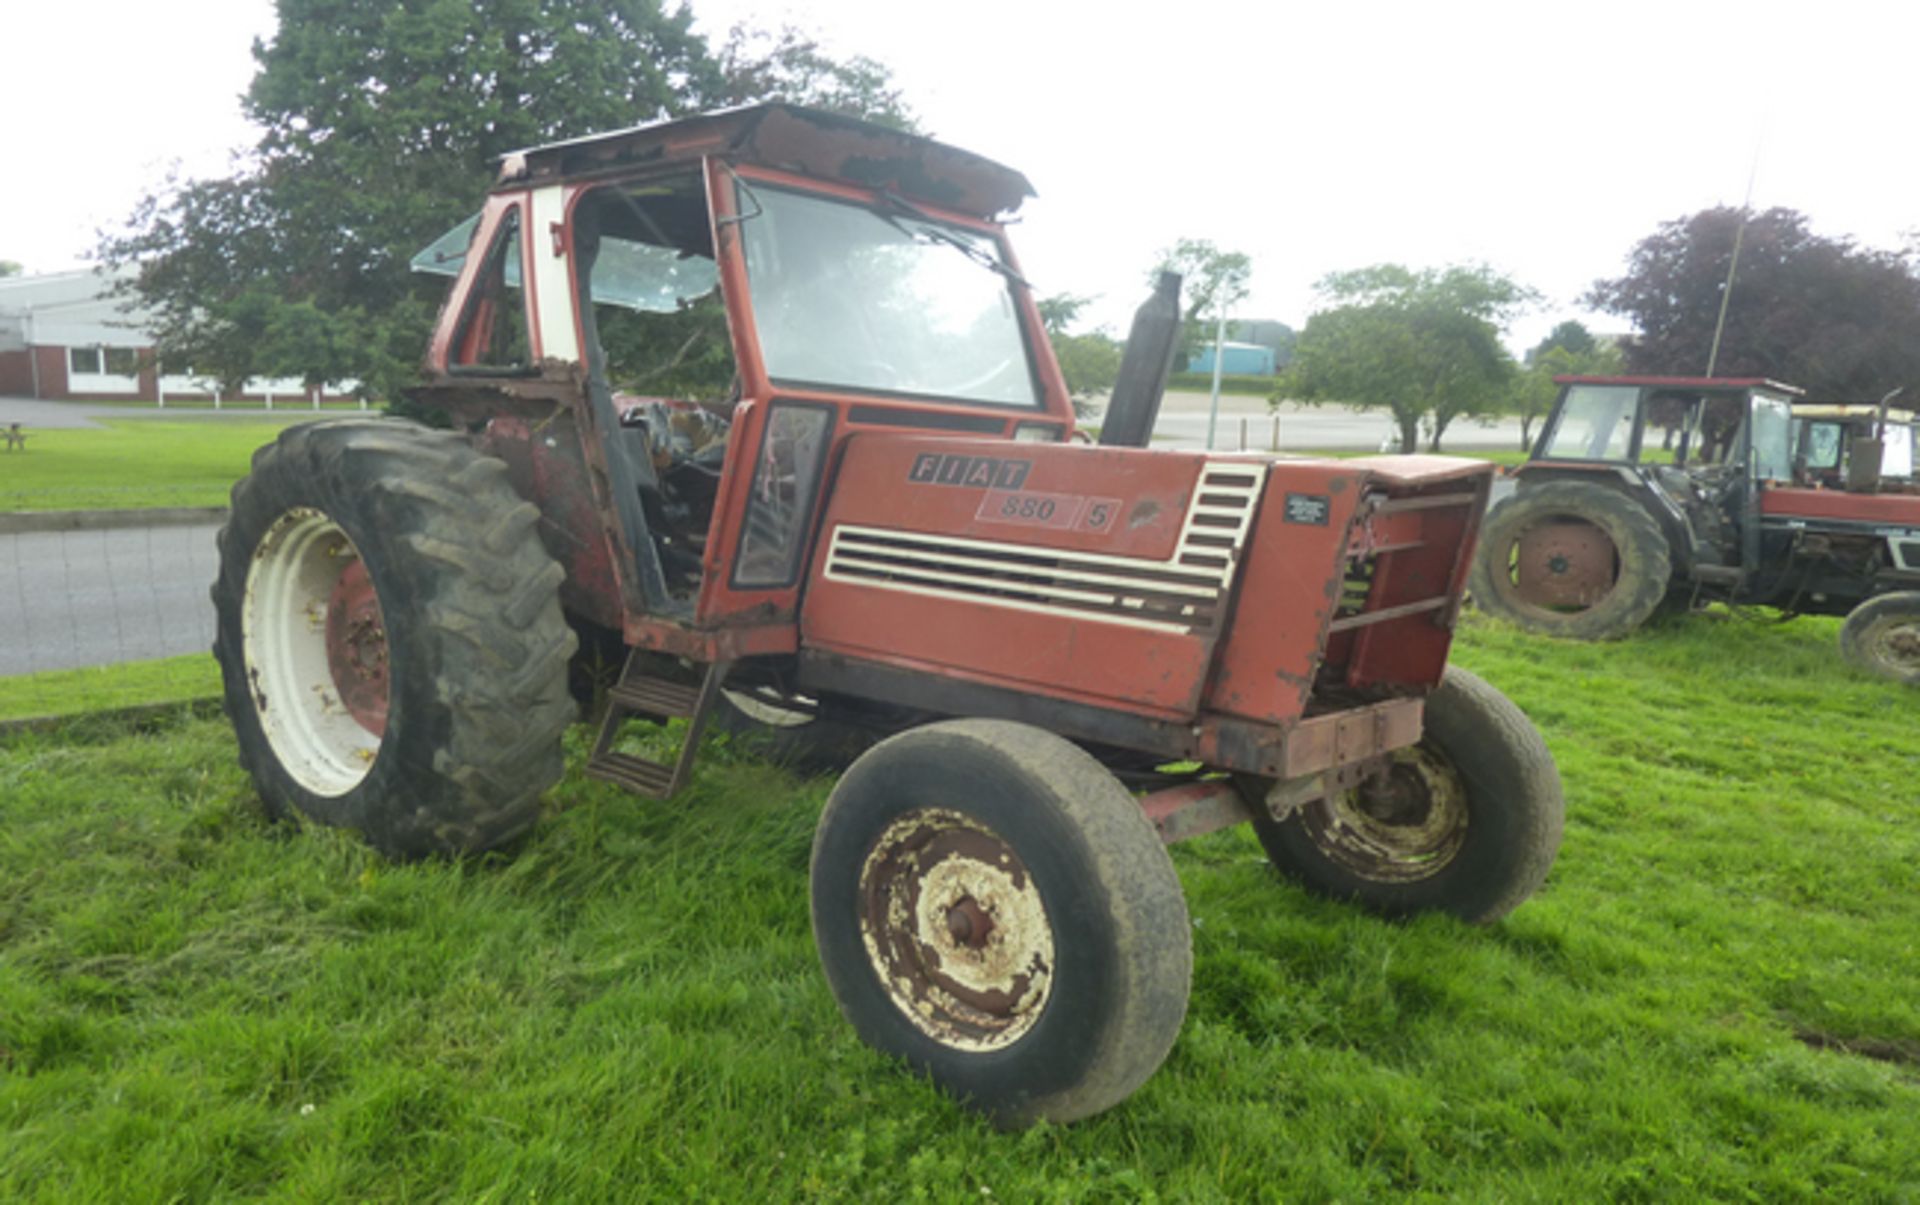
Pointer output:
639, 693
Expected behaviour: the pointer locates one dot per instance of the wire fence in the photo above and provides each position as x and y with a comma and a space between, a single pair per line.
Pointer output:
107, 614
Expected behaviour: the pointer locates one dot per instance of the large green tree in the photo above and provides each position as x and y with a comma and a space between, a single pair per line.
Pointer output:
1089, 361
1828, 315
380, 123
1213, 281
1424, 345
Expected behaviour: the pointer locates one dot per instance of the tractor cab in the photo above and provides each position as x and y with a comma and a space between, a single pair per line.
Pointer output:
1857, 446
736, 294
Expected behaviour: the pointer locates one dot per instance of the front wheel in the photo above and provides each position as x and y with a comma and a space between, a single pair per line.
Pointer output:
1465, 822
1882, 636
390, 639
993, 907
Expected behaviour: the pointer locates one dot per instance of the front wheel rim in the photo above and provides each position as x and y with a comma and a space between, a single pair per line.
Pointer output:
1405, 825
1894, 642
316, 656
955, 930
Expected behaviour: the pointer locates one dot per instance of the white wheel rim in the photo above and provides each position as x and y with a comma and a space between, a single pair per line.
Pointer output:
315, 738
955, 930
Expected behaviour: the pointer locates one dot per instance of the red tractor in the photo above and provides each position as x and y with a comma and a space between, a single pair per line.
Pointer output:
1651, 492
761, 400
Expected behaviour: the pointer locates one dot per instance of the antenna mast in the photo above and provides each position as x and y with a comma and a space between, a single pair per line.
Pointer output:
1733, 265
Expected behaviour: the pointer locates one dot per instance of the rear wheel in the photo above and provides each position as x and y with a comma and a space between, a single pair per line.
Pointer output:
993, 907
1574, 559
1465, 822
390, 638
1882, 636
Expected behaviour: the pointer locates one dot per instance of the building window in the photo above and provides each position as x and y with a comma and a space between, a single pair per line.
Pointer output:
123, 361
83, 360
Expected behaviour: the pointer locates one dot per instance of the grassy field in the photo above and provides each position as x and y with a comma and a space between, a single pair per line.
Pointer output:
1716, 996
72, 692
132, 463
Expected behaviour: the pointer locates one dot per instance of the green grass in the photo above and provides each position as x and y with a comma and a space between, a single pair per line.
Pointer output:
132, 463
65, 692
1717, 995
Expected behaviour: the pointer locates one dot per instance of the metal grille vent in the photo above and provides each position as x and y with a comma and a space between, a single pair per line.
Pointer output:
1184, 594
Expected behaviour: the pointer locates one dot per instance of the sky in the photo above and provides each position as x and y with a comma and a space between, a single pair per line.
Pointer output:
1541, 139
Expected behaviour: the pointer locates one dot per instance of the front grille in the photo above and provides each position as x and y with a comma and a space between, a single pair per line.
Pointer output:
1183, 594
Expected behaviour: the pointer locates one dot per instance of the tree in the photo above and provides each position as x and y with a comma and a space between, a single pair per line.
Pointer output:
9, 268
1213, 281
380, 126
1423, 345
1090, 362
756, 65
1825, 314
1568, 350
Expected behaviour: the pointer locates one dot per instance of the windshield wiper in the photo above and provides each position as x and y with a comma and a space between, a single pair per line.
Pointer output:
932, 231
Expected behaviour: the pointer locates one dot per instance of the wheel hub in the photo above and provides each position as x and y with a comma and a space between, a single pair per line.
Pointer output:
1567, 564
357, 647
955, 930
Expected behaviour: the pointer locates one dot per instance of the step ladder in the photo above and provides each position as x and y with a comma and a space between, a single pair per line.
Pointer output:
639, 693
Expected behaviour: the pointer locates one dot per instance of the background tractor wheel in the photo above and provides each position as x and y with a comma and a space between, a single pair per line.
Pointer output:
390, 638
992, 906
1882, 636
1572, 558
1465, 822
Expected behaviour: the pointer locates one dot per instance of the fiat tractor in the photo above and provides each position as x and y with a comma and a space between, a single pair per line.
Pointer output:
761, 401
1650, 493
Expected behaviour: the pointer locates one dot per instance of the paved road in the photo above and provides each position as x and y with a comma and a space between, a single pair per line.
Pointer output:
80, 598
1183, 424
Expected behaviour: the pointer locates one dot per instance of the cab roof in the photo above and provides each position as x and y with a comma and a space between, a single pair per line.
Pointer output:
810, 142
1700, 383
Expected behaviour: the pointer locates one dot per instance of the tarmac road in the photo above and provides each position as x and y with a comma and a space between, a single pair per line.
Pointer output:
80, 598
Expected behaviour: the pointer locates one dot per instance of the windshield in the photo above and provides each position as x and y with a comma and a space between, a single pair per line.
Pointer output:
843, 296
1595, 423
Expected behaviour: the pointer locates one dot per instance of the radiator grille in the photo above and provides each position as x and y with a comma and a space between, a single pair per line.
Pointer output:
1183, 594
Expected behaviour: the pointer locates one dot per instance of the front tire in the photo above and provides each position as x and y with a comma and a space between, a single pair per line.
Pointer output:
389, 632
992, 906
1465, 822
1573, 559
1882, 636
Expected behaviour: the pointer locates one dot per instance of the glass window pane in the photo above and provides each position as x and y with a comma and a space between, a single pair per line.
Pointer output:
83, 359
1898, 461
1596, 423
786, 476
1772, 440
123, 361
844, 295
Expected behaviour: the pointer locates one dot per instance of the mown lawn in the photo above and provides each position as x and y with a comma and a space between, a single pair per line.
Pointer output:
130, 463
1717, 995
74, 692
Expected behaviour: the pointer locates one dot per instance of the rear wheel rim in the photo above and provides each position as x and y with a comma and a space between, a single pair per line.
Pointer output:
955, 930
316, 657
1563, 564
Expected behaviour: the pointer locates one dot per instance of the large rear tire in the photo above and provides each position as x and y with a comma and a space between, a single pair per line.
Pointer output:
389, 632
1882, 636
992, 906
1573, 559
1465, 822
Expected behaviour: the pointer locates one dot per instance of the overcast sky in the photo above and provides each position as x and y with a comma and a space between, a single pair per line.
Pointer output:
1543, 139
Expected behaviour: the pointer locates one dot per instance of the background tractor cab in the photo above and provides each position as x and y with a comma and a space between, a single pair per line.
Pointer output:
1839, 445
1650, 491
